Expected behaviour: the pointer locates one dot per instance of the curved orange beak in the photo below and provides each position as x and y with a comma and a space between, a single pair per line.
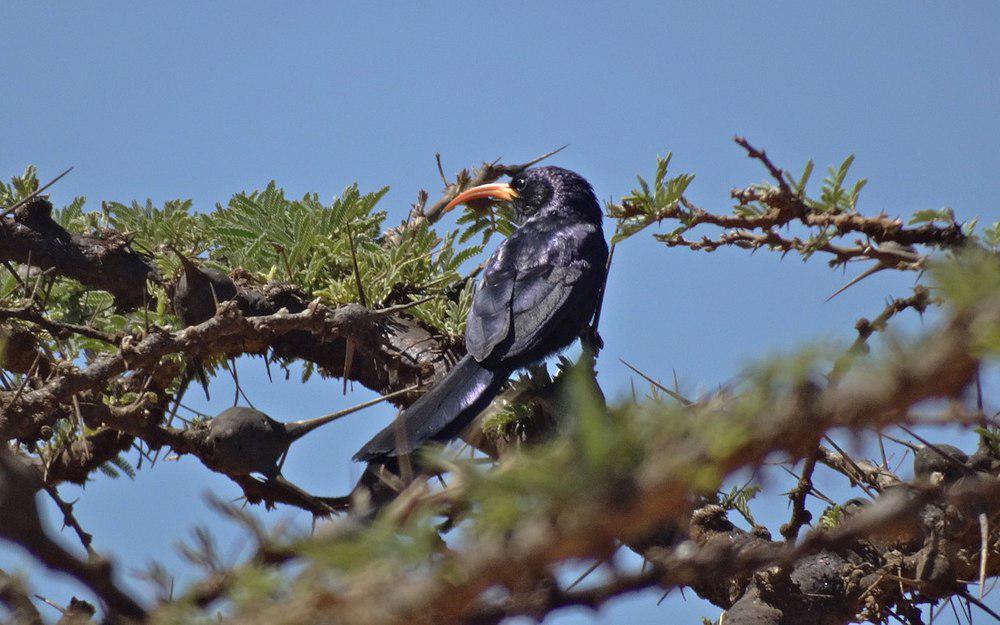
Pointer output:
497, 190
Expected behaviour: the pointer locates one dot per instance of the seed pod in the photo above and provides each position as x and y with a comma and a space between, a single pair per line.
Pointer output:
18, 349
929, 460
198, 291
244, 440
19, 519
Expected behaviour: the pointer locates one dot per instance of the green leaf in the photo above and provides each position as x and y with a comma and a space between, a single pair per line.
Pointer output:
645, 186
991, 235
930, 215
647, 205
800, 186
123, 465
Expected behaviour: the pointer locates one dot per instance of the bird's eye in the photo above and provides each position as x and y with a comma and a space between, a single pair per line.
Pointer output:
518, 183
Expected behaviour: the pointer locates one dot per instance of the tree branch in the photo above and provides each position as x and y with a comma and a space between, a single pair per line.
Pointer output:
102, 261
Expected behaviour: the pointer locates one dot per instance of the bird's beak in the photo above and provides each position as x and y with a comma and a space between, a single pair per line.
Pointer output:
498, 190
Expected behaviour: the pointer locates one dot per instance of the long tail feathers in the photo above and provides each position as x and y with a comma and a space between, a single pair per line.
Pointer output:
440, 414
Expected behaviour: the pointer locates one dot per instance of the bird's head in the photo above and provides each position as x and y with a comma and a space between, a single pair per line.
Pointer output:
541, 190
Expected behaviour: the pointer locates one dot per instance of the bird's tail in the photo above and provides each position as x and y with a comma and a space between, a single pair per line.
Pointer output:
441, 414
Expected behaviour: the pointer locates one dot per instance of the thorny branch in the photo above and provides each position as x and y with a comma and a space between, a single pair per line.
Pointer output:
20, 524
764, 209
919, 301
28, 411
864, 560
103, 260
589, 527
800, 516
57, 329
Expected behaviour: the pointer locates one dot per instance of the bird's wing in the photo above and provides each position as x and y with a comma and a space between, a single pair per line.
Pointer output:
488, 322
528, 287
543, 299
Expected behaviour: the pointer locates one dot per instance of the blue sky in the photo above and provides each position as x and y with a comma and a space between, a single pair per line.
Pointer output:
201, 100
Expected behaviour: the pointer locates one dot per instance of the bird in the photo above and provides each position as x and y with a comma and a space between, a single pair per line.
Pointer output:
538, 292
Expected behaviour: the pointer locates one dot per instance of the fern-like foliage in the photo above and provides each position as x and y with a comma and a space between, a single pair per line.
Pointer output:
302, 241
325, 248
20, 187
650, 203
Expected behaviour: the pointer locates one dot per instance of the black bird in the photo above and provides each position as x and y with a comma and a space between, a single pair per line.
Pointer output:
538, 292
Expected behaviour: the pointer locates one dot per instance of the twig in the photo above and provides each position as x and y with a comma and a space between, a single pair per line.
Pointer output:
396, 308
354, 263
800, 516
298, 429
919, 301
815, 492
979, 604
36, 193
761, 156
68, 518
444, 179
860, 477
590, 569
56, 328
984, 549
674, 394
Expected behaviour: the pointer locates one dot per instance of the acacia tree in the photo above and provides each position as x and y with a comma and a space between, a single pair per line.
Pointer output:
96, 359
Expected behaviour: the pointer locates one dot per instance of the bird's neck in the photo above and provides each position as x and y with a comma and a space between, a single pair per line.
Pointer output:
587, 212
